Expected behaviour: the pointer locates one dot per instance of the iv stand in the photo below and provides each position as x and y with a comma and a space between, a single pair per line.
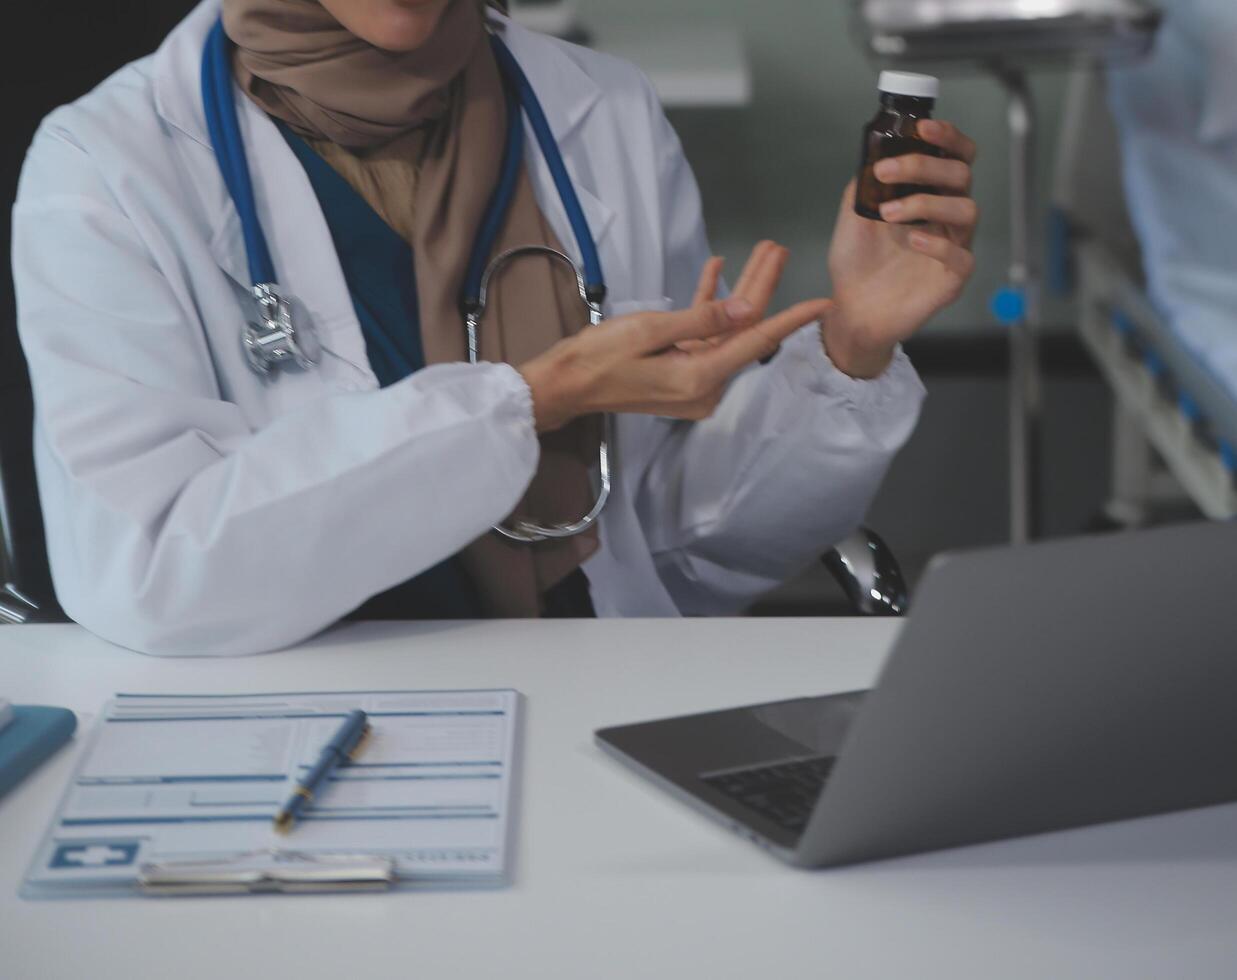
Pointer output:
1017, 308
1006, 39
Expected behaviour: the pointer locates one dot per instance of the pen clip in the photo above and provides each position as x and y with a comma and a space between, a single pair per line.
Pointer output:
363, 741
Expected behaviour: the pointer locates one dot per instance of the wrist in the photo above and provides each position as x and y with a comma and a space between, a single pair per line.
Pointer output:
851, 351
547, 377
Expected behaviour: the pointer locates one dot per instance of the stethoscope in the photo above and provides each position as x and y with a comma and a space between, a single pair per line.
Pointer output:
275, 341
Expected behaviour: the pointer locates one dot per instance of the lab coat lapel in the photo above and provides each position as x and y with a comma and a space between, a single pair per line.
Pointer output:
567, 95
300, 241
176, 82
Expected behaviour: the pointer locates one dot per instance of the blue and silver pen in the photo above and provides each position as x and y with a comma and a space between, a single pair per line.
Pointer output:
345, 744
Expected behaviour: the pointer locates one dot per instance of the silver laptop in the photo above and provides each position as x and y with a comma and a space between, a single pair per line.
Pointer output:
1032, 689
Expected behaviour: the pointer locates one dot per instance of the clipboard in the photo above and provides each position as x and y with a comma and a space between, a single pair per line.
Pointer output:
175, 795
271, 871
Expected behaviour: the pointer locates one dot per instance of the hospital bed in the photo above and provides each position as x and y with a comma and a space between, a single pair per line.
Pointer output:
1175, 421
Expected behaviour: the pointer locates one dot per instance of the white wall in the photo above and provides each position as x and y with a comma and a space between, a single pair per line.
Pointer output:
776, 169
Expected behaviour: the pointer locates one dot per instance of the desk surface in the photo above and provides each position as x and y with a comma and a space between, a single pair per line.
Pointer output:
615, 879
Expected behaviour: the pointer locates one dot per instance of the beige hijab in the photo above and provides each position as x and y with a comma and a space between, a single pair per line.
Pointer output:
420, 136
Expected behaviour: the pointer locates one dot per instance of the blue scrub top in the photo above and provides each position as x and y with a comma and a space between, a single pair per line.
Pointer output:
378, 268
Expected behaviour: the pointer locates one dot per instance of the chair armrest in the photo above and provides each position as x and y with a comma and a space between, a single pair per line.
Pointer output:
868, 573
16, 607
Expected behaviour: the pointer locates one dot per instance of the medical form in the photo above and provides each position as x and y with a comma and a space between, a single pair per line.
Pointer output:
198, 778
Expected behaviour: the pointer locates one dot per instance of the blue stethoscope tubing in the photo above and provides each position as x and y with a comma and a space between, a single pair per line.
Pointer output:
520, 94
223, 125
225, 135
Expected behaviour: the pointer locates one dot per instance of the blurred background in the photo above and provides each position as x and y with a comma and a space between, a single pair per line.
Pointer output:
773, 164
769, 99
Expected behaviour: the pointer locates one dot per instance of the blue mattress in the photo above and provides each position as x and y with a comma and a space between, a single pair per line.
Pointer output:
1177, 117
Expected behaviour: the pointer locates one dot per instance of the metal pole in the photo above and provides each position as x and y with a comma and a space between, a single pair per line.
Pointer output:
1024, 379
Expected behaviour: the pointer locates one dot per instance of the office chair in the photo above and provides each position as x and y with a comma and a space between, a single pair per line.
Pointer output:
26, 593
92, 42
865, 568
1174, 443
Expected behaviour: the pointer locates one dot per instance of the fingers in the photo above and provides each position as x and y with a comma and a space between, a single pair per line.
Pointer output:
690, 346
954, 257
752, 265
688, 384
955, 212
757, 282
759, 341
654, 332
917, 168
710, 276
765, 274
707, 318
848, 194
949, 138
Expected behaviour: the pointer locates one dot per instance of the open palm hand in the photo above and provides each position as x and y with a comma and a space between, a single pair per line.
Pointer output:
889, 278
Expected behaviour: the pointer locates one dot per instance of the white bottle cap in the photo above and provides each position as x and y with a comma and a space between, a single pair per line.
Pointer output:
908, 83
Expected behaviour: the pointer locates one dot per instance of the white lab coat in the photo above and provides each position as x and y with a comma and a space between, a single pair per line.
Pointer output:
194, 508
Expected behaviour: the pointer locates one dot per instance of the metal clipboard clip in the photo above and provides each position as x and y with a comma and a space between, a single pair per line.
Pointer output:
269, 872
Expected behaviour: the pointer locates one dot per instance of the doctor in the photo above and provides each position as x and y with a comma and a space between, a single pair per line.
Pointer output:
202, 500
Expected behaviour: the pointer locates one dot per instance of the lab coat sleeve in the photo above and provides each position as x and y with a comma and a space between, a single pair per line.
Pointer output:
176, 527
787, 465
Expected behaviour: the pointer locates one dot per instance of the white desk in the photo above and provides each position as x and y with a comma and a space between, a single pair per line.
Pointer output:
615, 879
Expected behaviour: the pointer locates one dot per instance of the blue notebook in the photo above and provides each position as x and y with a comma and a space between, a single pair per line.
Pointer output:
34, 733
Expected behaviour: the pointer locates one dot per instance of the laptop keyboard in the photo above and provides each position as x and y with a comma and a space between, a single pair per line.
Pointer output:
784, 792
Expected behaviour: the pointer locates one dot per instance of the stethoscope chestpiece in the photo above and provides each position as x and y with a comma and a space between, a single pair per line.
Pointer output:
273, 340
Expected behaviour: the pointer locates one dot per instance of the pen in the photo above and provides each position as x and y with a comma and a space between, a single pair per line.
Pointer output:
345, 744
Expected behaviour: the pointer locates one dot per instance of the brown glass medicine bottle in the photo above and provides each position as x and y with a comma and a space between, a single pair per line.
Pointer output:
905, 100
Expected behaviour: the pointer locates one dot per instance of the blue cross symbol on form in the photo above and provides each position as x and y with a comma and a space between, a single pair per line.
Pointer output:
95, 856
